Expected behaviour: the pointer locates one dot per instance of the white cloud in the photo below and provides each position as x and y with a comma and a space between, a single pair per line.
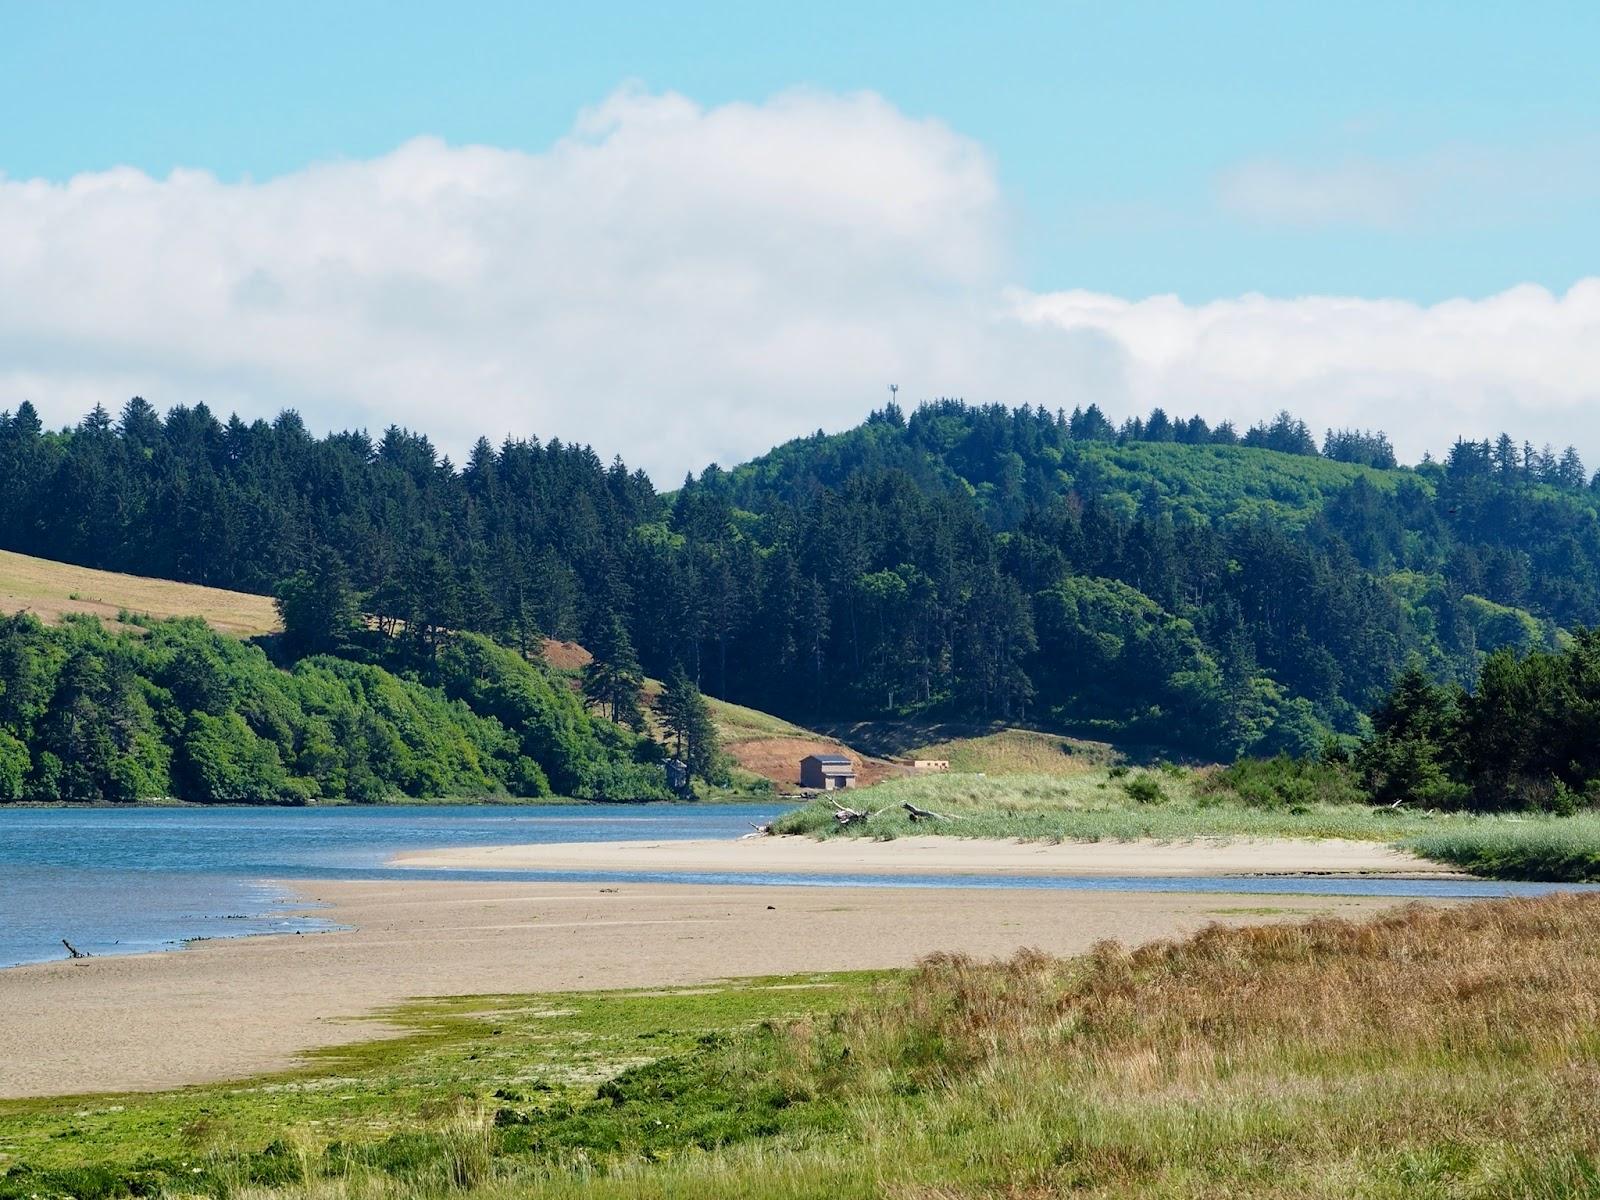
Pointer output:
1524, 360
669, 282
679, 284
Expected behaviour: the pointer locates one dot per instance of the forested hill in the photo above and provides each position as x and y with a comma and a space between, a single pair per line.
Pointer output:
1165, 580
1014, 461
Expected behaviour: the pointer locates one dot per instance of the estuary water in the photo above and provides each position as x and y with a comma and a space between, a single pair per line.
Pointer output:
125, 881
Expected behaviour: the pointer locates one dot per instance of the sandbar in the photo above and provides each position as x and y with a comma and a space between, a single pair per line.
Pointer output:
233, 1008
944, 855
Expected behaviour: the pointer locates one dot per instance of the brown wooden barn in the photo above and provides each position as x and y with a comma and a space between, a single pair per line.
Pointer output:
827, 772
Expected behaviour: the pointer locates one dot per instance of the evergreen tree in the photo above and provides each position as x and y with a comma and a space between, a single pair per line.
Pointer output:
1408, 757
318, 607
613, 680
686, 718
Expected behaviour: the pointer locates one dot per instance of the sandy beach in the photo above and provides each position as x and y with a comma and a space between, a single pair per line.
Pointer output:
946, 856
226, 1009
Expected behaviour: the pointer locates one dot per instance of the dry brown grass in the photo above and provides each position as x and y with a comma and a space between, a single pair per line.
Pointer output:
1482, 978
1435, 1052
1019, 752
50, 590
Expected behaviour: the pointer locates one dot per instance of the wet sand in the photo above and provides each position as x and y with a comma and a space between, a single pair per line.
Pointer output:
226, 1009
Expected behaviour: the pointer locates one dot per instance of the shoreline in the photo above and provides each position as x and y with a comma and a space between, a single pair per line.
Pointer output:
948, 855
232, 1008
919, 861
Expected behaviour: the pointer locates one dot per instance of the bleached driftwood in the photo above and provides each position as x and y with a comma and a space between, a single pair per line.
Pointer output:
848, 816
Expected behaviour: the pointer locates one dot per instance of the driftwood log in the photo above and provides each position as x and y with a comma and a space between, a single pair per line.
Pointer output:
73, 950
851, 816
925, 814
848, 816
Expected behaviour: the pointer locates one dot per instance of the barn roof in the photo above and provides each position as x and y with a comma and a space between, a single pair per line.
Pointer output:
832, 760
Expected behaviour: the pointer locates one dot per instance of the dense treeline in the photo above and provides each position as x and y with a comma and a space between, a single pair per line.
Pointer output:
181, 711
1166, 579
1525, 737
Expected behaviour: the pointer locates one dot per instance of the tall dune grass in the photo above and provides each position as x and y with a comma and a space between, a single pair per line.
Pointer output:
1177, 804
1101, 804
1434, 1053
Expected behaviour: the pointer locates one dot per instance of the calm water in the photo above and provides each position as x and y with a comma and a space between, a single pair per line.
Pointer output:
121, 881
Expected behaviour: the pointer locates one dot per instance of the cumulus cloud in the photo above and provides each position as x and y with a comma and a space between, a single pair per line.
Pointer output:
1523, 360
681, 284
670, 282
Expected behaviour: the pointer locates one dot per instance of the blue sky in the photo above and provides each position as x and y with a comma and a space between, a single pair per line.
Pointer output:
1112, 126
684, 232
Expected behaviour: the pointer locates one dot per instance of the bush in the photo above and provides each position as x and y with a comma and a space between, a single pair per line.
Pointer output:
223, 762
1145, 789
1285, 782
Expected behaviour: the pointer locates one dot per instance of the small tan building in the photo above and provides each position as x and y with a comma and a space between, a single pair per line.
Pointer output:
932, 764
827, 772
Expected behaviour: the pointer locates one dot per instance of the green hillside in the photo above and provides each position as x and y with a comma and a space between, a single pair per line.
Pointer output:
1165, 582
174, 709
1006, 473
1236, 483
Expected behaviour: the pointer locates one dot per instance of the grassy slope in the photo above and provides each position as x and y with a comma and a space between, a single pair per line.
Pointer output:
51, 589
766, 750
993, 747
1431, 1053
1211, 481
1018, 752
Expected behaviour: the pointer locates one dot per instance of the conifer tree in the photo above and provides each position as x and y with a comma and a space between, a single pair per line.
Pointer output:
687, 719
614, 681
318, 607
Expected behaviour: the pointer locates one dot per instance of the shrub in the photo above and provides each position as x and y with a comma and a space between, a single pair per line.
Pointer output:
1284, 782
1145, 789
224, 762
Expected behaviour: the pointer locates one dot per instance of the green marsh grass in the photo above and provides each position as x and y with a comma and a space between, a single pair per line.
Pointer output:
1538, 847
470, 1076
